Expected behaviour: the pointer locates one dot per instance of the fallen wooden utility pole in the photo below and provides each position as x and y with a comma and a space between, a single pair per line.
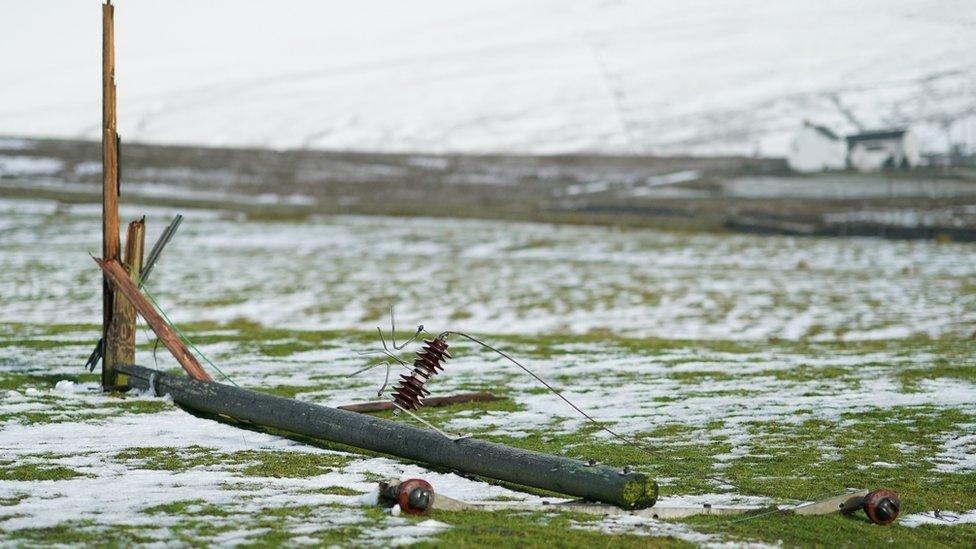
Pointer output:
120, 280
384, 405
555, 473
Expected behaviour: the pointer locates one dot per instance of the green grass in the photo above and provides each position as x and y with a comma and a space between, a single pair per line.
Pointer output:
521, 529
59, 412
197, 507
834, 531
82, 533
248, 463
805, 454
35, 472
336, 491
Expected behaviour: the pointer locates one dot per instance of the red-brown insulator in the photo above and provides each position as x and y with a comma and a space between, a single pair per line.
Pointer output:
409, 393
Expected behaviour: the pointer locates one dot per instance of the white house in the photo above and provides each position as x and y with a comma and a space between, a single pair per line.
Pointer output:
815, 149
872, 151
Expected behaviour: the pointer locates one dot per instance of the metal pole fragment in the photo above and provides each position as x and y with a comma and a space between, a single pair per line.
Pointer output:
157, 248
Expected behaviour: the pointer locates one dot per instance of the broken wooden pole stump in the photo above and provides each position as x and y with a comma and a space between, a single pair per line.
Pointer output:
120, 342
525, 467
120, 280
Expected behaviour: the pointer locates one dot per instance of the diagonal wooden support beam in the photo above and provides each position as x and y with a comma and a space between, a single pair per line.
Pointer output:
120, 281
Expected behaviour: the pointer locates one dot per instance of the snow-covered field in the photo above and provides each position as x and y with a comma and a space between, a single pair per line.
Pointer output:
631, 76
496, 277
138, 462
728, 401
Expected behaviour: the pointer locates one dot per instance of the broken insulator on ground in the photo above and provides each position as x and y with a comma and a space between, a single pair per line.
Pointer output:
409, 393
415, 496
882, 506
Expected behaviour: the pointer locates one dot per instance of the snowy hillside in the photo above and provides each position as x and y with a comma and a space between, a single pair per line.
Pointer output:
494, 76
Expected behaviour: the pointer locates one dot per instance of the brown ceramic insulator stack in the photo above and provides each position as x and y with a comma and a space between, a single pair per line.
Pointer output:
409, 393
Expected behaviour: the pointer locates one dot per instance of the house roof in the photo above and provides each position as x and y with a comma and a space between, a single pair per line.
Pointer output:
824, 131
876, 135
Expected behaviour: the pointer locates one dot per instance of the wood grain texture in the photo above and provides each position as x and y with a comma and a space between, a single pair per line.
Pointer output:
121, 336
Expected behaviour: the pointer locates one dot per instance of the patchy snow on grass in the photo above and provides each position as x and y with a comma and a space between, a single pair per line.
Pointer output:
959, 452
503, 278
940, 518
642, 526
845, 187
957, 216
11, 144
399, 532
498, 277
66, 386
110, 489
28, 165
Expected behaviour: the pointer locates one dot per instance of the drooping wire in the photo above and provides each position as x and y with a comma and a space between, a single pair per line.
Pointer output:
155, 341
386, 351
632, 442
420, 330
944, 516
503, 354
184, 337
431, 425
552, 389
386, 379
591, 419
